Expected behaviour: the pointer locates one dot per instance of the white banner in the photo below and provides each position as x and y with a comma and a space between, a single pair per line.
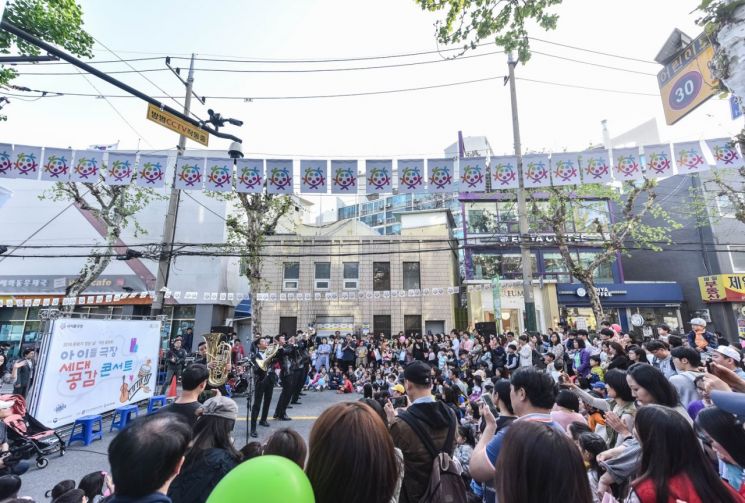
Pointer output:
27, 162
249, 176
94, 366
219, 175
313, 176
410, 176
596, 167
151, 171
689, 158
472, 172
87, 166
190, 173
120, 169
504, 172
441, 175
378, 176
343, 177
565, 169
279, 176
725, 154
658, 161
627, 165
536, 171
56, 165
6, 160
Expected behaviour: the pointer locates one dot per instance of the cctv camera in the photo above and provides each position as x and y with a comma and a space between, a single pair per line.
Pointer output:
236, 150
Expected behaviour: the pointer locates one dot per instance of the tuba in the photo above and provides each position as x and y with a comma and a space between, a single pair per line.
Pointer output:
269, 355
218, 359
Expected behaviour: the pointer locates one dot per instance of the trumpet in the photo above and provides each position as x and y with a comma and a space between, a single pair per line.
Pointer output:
269, 355
218, 359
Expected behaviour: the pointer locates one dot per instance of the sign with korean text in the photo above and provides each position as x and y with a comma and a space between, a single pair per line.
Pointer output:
722, 287
178, 125
686, 81
94, 366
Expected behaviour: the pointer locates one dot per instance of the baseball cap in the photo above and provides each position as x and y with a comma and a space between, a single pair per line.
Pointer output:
419, 373
5, 404
729, 401
220, 406
598, 385
399, 388
730, 352
698, 321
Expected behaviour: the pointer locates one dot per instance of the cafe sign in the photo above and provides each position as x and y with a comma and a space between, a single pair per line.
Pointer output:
722, 287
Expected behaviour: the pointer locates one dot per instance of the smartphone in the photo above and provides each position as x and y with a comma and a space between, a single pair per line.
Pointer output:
490, 403
399, 401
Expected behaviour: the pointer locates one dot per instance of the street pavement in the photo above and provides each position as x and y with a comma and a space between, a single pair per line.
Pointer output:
81, 460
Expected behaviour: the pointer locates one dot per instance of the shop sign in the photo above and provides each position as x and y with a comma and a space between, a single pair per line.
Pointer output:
570, 237
637, 320
601, 291
722, 288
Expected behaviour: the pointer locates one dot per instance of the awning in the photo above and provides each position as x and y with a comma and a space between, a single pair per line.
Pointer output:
243, 309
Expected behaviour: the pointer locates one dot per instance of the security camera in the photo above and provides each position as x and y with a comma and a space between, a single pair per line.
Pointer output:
236, 150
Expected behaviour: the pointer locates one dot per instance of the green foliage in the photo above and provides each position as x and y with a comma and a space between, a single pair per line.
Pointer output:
59, 22
468, 22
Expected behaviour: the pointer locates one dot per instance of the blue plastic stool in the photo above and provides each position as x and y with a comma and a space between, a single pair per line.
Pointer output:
124, 414
88, 431
155, 403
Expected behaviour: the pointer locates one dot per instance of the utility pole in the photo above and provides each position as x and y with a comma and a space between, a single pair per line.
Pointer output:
169, 228
527, 265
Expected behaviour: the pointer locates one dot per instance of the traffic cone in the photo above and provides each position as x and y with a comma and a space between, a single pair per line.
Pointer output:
172, 388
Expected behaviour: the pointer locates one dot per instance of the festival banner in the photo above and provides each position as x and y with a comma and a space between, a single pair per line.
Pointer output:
87, 166
473, 175
689, 157
279, 176
410, 176
627, 165
219, 175
344, 177
6, 160
26, 162
595, 166
120, 169
56, 165
658, 161
441, 175
504, 173
190, 173
249, 176
725, 154
313, 176
565, 169
378, 176
92, 366
536, 171
151, 171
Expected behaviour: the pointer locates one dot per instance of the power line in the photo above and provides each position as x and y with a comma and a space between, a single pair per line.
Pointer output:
590, 63
593, 51
575, 86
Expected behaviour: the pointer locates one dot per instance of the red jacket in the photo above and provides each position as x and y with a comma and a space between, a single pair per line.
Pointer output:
680, 487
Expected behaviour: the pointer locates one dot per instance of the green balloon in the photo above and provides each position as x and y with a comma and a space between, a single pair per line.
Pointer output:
264, 479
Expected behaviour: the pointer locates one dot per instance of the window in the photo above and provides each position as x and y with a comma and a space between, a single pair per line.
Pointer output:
603, 273
288, 325
412, 324
481, 218
322, 275
587, 214
382, 325
508, 266
737, 255
291, 276
411, 276
351, 275
381, 276
555, 267
725, 207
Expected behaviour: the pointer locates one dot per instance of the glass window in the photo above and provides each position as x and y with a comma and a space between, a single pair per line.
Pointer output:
587, 214
555, 267
485, 266
536, 223
725, 207
508, 221
737, 255
412, 325
322, 275
411, 276
291, 276
351, 275
381, 276
382, 324
481, 217
508, 266
604, 272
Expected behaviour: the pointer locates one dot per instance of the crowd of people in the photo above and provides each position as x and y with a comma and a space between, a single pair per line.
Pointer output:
462, 417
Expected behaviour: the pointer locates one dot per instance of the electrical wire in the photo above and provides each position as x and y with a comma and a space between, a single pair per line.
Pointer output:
593, 51
590, 63
575, 86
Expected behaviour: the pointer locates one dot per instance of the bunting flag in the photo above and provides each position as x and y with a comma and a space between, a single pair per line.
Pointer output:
379, 176
596, 166
87, 166
658, 161
151, 172
190, 173
504, 173
565, 169
279, 176
219, 175
411, 176
536, 171
441, 175
6, 160
26, 162
56, 164
313, 175
249, 176
120, 169
626, 164
344, 177
689, 157
724, 151
472, 174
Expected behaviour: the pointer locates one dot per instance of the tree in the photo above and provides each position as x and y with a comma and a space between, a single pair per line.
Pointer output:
733, 188
115, 207
627, 229
468, 22
58, 22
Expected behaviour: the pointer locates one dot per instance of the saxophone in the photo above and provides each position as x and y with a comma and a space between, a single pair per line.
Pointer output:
218, 359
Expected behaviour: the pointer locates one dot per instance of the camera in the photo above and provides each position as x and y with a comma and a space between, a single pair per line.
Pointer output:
235, 151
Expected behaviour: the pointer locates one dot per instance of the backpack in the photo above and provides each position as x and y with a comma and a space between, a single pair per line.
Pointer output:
445, 482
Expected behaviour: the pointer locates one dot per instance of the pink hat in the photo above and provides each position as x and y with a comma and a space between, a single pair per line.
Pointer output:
616, 328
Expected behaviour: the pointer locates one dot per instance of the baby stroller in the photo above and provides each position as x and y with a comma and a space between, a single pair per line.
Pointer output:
29, 438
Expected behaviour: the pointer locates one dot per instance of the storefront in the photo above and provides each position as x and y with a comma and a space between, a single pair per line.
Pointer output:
729, 291
639, 307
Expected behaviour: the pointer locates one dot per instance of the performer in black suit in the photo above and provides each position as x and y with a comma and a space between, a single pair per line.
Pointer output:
263, 386
286, 356
302, 365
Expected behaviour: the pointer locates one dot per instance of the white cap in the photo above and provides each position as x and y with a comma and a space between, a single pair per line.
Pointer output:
729, 352
6, 404
698, 321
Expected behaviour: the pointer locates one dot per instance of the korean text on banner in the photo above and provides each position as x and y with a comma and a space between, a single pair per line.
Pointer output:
689, 158
249, 176
378, 176
343, 177
536, 171
219, 175
410, 176
26, 162
725, 154
313, 176
87, 166
504, 172
93, 366
472, 172
441, 175
119, 169
151, 171
190, 173
658, 161
56, 165
279, 176
565, 169
627, 165
596, 167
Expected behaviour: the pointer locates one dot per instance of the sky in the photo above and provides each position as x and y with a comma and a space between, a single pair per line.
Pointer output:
423, 123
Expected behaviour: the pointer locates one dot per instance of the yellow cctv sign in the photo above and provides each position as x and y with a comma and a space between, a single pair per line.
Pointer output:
178, 125
686, 81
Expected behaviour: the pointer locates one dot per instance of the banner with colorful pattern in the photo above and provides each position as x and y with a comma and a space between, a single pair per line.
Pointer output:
313, 176
441, 175
56, 165
218, 177
504, 172
249, 176
378, 176
472, 174
120, 169
596, 167
190, 173
658, 161
411, 176
344, 178
279, 176
151, 171
627, 165
689, 157
725, 153
536, 171
87, 166
27, 162
565, 169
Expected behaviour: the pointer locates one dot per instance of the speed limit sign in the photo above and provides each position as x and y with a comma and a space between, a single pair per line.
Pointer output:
686, 80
